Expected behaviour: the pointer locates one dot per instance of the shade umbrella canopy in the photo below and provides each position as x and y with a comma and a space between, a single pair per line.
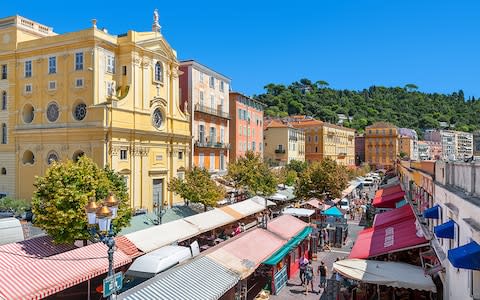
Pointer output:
333, 211
394, 274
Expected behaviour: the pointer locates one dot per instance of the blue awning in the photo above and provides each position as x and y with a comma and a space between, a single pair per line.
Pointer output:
466, 256
432, 212
445, 230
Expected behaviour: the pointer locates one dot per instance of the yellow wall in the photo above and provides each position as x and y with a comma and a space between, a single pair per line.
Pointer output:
293, 150
381, 145
114, 125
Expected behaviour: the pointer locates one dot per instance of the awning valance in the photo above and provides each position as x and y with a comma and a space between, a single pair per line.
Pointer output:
445, 230
466, 256
394, 274
388, 201
432, 213
393, 216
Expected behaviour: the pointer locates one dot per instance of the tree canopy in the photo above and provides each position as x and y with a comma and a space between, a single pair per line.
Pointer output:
63, 193
198, 187
404, 107
321, 179
252, 174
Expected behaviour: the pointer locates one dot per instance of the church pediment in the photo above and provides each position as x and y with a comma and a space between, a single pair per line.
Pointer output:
158, 101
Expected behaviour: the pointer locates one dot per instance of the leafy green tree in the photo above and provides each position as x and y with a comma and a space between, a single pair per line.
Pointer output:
286, 176
63, 193
410, 87
297, 166
252, 174
17, 206
198, 187
321, 179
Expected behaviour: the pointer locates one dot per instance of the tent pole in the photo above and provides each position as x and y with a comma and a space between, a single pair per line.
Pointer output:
378, 291
88, 286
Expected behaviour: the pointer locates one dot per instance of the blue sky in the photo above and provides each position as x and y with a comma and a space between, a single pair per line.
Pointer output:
351, 44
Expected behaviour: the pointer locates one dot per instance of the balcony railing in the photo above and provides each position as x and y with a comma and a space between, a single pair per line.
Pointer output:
212, 111
205, 144
279, 151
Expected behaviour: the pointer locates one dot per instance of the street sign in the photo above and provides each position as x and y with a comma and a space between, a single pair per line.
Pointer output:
111, 284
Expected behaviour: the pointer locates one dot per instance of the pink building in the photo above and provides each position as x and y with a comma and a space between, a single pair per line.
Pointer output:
246, 125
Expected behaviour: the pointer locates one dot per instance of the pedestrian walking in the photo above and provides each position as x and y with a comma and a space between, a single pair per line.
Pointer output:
322, 272
303, 266
309, 277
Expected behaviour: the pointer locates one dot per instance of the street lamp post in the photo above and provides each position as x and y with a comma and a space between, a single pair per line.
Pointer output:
103, 216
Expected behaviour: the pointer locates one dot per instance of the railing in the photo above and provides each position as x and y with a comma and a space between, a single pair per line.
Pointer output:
205, 144
211, 111
280, 151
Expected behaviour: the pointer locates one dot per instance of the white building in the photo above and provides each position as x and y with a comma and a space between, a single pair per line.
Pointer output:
456, 145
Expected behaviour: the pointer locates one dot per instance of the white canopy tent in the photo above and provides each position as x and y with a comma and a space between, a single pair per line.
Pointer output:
298, 212
394, 274
278, 197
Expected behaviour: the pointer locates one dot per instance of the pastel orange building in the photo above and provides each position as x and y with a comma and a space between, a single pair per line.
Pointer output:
204, 93
246, 125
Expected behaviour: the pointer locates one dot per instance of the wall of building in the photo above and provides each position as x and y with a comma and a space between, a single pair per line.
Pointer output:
274, 137
381, 145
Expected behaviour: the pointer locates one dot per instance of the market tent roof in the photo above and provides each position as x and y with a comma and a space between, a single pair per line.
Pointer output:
278, 197
466, 256
299, 212
44, 276
244, 208
333, 211
388, 201
394, 274
353, 185
246, 253
276, 257
388, 238
201, 278
314, 202
211, 219
394, 215
388, 190
286, 226
261, 201
165, 234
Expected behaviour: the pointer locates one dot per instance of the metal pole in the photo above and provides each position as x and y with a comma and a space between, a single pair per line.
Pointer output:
110, 242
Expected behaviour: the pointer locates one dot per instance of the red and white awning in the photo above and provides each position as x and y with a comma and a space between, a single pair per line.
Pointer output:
30, 276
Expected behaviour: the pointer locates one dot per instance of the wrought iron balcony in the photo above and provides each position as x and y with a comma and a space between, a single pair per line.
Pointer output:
212, 111
280, 151
205, 144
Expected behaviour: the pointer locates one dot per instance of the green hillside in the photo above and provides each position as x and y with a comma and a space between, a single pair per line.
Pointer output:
404, 107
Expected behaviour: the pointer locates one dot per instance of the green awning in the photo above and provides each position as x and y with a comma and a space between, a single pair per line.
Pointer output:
285, 249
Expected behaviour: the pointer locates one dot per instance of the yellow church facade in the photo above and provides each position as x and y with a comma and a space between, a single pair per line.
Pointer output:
113, 98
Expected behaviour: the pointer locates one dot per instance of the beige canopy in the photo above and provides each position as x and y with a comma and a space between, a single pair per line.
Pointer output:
394, 274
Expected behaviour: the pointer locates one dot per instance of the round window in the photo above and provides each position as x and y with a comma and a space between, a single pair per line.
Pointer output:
52, 112
80, 111
157, 118
51, 157
28, 113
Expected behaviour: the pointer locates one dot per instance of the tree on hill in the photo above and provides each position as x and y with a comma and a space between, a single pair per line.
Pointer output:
63, 193
251, 173
410, 87
198, 187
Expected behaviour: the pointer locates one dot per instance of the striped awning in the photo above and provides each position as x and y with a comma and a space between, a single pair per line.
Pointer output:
36, 277
202, 279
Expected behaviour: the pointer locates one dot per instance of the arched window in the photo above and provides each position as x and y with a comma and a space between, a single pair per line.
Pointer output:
4, 100
4, 133
158, 72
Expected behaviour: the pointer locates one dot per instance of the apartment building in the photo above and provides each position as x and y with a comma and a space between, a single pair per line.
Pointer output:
381, 145
283, 143
205, 95
408, 143
246, 127
359, 149
113, 98
456, 145
476, 143
325, 140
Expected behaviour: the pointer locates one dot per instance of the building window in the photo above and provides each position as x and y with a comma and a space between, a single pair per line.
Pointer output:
222, 135
201, 160
28, 157
52, 85
52, 157
76, 156
253, 146
212, 161
201, 77
124, 70
4, 133
110, 63
4, 71
222, 86
28, 88
201, 133
123, 154
28, 113
158, 72
213, 135
52, 112
212, 101
79, 82
260, 146
52, 65
4, 171
80, 111
110, 88
180, 155
4, 100
212, 82
79, 61
28, 68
